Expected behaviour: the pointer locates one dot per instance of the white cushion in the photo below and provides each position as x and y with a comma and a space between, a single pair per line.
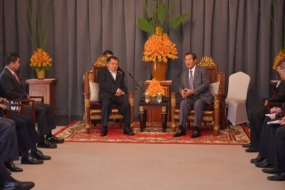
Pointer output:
94, 90
214, 88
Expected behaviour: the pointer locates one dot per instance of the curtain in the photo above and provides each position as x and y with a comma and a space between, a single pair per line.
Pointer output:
236, 33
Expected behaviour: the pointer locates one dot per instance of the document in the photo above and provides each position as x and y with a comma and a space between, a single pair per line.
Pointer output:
268, 114
274, 122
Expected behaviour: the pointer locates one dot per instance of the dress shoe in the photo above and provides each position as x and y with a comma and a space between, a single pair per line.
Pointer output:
259, 158
46, 144
104, 131
11, 166
180, 132
264, 164
247, 145
54, 139
250, 149
196, 133
40, 156
31, 160
127, 131
19, 185
277, 177
269, 171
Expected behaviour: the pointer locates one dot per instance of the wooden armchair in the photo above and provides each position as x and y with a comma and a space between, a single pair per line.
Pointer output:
214, 114
93, 107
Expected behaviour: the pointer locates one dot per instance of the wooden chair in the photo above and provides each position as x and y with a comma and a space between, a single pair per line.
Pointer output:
214, 114
93, 108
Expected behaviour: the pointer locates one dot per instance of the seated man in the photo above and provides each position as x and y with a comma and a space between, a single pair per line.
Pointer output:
113, 91
11, 88
196, 94
257, 116
8, 182
109, 53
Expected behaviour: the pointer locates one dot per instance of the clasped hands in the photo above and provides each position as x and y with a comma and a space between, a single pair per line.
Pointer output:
186, 92
119, 92
2, 105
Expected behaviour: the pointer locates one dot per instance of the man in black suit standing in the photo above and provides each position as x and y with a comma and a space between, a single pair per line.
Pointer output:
11, 88
194, 88
113, 91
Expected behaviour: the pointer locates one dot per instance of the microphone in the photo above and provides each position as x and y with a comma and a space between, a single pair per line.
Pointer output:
177, 76
136, 82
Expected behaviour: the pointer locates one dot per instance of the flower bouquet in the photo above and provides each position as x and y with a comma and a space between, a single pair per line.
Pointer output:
154, 88
40, 61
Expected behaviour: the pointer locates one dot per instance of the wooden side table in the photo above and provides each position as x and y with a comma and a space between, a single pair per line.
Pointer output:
45, 88
150, 111
166, 85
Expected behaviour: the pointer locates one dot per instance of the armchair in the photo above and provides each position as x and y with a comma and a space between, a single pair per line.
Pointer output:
214, 114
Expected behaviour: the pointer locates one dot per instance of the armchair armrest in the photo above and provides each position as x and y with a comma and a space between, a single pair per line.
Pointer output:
39, 99
26, 102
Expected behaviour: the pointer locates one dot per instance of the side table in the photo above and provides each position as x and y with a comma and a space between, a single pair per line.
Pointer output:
148, 111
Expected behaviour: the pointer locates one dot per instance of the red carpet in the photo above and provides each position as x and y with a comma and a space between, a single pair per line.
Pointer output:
75, 132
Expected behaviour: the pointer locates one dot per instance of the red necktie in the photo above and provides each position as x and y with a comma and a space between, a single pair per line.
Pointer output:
16, 76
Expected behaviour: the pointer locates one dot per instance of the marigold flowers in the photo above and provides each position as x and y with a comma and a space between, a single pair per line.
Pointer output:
154, 88
281, 55
40, 60
159, 48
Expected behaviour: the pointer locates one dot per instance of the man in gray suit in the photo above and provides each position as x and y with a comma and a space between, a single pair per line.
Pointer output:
194, 88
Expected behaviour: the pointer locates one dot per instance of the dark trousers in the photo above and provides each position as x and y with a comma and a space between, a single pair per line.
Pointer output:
123, 105
4, 175
279, 164
26, 132
9, 150
257, 117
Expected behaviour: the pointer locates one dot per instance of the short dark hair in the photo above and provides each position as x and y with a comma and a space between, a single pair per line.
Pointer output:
106, 52
281, 64
112, 57
11, 57
193, 55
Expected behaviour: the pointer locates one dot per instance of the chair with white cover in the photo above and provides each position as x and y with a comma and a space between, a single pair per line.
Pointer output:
236, 98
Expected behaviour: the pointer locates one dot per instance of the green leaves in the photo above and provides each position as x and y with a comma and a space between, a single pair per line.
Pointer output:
144, 24
178, 20
161, 10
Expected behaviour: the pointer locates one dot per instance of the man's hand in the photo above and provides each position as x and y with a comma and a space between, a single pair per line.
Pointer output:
272, 116
186, 92
119, 92
3, 107
275, 110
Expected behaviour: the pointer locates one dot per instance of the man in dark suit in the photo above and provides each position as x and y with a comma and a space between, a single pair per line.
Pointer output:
257, 115
113, 91
194, 88
11, 88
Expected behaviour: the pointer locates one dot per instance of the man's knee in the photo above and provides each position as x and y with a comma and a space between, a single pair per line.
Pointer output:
280, 132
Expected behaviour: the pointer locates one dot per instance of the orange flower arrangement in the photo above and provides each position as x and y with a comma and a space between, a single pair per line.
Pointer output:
281, 55
159, 47
40, 60
154, 88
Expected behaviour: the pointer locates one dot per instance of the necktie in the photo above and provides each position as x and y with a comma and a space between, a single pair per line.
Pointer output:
16, 76
190, 79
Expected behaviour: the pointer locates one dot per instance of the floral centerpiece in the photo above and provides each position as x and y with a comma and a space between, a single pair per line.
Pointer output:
40, 61
154, 88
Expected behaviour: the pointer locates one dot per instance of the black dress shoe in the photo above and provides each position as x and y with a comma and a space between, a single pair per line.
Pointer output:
127, 131
180, 132
247, 145
19, 185
54, 139
46, 144
104, 131
277, 177
40, 156
250, 149
259, 158
11, 166
196, 133
269, 171
31, 160
264, 164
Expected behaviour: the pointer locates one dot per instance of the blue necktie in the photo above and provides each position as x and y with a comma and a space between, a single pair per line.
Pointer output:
191, 80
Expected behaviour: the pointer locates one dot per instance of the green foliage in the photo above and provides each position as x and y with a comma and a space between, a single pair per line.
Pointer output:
158, 14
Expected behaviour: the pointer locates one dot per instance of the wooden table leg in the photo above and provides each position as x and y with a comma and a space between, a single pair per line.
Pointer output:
142, 118
164, 118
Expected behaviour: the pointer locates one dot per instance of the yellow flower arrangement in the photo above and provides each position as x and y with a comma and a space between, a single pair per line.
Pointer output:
154, 88
40, 60
281, 55
159, 48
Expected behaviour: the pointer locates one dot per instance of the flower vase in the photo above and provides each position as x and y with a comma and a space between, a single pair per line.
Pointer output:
40, 74
158, 70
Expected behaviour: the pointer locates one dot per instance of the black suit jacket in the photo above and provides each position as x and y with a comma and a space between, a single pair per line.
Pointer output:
279, 94
108, 86
9, 86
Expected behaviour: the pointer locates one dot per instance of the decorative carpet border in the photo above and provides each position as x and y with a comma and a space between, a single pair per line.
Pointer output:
75, 132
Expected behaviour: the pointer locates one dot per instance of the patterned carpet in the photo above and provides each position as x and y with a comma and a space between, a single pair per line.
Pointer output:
75, 132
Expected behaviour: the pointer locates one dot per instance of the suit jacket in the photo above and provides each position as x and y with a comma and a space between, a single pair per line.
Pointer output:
108, 86
9, 86
201, 83
279, 93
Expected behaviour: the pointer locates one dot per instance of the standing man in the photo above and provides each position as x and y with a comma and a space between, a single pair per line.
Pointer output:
11, 88
113, 91
194, 88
